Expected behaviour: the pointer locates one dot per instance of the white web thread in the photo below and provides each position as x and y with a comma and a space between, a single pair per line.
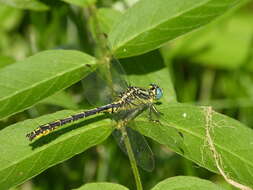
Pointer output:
217, 158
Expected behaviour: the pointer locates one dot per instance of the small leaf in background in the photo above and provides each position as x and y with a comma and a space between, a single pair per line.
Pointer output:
13, 45
101, 185
186, 183
27, 82
183, 128
26, 4
22, 159
149, 24
81, 3
9, 17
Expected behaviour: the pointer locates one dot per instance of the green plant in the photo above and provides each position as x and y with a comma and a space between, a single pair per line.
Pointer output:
212, 140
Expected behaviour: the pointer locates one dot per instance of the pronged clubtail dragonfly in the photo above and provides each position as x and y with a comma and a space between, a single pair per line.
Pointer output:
129, 102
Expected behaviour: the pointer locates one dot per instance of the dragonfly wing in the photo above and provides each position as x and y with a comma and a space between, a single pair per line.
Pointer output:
143, 154
105, 84
95, 89
102, 87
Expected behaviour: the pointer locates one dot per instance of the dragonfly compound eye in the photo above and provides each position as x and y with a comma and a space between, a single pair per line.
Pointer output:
159, 93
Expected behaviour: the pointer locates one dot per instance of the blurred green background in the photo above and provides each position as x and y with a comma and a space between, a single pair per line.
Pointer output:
211, 66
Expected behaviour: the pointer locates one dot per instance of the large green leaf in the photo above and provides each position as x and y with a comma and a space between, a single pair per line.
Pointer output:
27, 4
27, 82
185, 129
149, 24
101, 185
21, 159
186, 183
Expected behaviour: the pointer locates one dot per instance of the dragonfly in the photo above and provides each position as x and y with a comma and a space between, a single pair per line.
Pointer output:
131, 99
126, 105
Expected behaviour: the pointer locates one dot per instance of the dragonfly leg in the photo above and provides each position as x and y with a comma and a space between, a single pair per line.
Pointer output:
155, 110
123, 122
133, 114
152, 109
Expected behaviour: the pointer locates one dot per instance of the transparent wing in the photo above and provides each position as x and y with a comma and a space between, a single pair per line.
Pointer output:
105, 84
142, 152
102, 87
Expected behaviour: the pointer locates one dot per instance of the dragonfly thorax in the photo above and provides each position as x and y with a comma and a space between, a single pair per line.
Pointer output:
135, 95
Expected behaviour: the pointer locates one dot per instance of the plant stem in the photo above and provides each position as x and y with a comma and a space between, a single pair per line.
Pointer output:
132, 159
102, 52
104, 55
101, 49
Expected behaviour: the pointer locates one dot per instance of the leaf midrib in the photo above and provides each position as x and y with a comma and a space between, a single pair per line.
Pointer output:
39, 83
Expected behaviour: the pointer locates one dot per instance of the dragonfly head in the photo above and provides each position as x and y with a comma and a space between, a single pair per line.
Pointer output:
155, 91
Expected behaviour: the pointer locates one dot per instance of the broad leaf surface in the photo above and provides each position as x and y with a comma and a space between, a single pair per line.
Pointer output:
184, 128
27, 4
27, 82
189, 183
149, 24
21, 159
101, 185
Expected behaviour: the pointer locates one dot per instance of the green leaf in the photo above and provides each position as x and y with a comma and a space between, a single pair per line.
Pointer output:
184, 130
101, 185
189, 183
149, 24
81, 3
21, 159
27, 4
27, 82
222, 45
62, 99
9, 17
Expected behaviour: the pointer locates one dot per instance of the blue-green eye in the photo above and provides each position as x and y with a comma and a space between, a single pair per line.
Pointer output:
159, 93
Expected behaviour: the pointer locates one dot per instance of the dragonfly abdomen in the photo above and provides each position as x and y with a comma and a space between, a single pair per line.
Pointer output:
49, 127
